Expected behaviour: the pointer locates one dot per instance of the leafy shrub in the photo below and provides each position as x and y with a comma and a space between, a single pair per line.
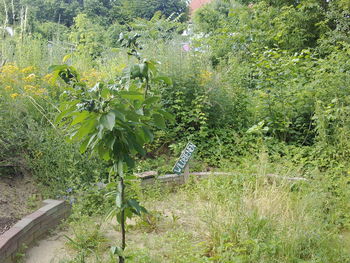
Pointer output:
30, 140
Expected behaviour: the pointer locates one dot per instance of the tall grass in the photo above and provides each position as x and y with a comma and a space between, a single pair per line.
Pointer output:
251, 219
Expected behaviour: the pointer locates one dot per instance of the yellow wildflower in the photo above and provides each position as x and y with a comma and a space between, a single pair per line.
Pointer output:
49, 79
40, 91
14, 95
8, 88
9, 69
32, 90
29, 88
30, 78
92, 77
205, 76
28, 69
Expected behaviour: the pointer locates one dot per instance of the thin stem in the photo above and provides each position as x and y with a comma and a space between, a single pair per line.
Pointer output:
121, 191
121, 259
40, 109
146, 88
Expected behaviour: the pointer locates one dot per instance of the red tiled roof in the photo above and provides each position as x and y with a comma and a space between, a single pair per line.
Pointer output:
195, 4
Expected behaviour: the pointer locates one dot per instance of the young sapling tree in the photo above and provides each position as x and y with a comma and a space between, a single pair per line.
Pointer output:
114, 120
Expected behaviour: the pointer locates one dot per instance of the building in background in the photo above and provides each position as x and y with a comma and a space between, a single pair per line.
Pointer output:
195, 4
187, 45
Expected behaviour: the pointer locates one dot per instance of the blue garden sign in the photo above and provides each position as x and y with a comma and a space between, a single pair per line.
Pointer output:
184, 158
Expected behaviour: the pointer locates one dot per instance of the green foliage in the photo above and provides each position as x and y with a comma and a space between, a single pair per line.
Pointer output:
287, 109
57, 165
29, 143
114, 120
51, 31
298, 27
262, 222
147, 9
261, 25
259, 81
158, 27
87, 238
32, 13
87, 35
89, 199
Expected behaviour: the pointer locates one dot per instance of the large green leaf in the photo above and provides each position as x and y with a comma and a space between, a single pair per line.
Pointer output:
108, 120
66, 108
67, 73
129, 160
131, 95
79, 117
136, 145
136, 207
87, 142
88, 127
119, 115
103, 151
109, 141
152, 66
148, 133
135, 71
53, 68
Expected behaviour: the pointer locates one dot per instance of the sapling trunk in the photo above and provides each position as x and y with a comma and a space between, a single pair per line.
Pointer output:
121, 193
122, 221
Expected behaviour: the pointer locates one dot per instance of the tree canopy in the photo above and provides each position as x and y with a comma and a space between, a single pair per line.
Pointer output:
102, 11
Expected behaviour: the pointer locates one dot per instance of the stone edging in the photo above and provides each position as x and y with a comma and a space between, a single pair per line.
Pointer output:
150, 177
31, 228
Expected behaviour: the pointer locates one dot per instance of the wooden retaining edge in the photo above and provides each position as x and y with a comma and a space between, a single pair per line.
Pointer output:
32, 228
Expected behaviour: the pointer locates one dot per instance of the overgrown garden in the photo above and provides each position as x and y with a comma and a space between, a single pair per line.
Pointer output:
92, 92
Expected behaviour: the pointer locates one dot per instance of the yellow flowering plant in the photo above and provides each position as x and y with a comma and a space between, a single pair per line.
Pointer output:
16, 81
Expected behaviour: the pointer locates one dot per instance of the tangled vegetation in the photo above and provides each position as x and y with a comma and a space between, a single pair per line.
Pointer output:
261, 87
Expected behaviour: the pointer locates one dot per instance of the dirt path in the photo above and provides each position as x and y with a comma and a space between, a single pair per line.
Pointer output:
173, 219
49, 250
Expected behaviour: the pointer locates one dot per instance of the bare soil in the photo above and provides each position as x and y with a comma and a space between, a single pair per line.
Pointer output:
18, 197
6, 223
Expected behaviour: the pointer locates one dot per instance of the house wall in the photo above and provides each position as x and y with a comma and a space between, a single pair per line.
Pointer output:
195, 4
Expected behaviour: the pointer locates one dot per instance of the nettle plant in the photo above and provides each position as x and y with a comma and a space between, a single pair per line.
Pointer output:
115, 121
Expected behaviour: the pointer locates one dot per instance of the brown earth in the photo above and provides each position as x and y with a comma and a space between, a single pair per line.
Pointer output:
18, 197
6, 223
